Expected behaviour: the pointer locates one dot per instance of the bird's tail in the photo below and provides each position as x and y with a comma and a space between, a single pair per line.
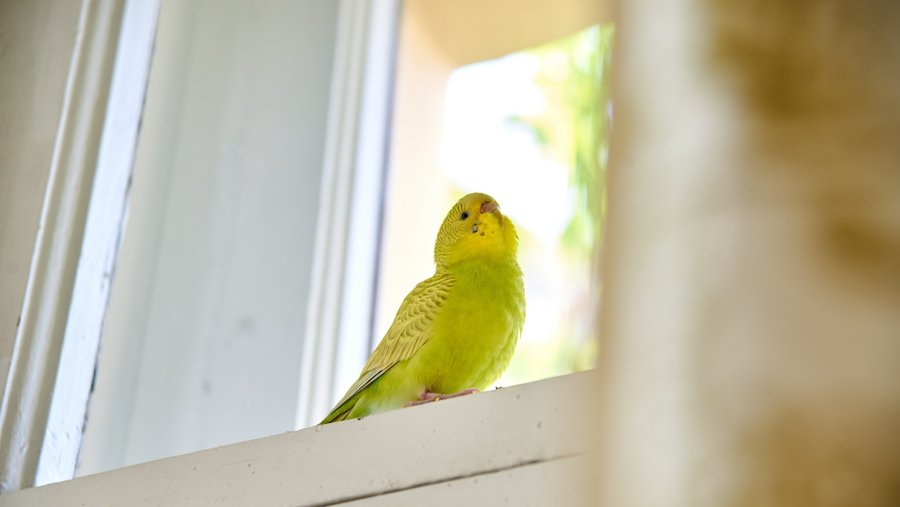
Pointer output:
342, 411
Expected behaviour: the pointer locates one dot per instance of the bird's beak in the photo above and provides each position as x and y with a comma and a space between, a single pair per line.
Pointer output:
492, 207
488, 206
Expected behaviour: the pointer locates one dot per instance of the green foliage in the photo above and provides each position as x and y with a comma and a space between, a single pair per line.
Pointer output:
574, 76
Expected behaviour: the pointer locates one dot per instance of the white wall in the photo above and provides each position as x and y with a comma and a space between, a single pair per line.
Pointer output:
36, 41
202, 340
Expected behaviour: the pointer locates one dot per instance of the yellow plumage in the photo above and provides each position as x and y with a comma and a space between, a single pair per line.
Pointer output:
456, 330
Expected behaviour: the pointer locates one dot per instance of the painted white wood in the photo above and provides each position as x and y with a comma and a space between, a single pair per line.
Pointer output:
319, 339
557, 482
339, 312
487, 433
119, 360
103, 229
57, 256
104, 445
372, 125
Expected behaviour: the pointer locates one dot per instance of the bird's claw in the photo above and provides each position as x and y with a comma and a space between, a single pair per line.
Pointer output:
428, 397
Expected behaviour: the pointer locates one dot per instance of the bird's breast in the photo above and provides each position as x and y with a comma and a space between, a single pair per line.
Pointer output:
475, 333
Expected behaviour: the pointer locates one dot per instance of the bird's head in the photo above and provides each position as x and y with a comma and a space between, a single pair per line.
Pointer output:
475, 228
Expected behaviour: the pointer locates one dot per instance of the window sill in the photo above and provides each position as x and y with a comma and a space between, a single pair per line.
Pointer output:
520, 445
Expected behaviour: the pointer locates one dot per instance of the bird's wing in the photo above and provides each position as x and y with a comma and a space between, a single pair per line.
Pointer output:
409, 331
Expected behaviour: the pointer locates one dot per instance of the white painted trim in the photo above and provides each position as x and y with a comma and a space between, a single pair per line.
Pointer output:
339, 313
501, 433
562, 482
370, 163
53, 361
102, 234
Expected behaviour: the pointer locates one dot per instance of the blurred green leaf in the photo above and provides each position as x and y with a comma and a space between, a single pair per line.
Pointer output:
573, 76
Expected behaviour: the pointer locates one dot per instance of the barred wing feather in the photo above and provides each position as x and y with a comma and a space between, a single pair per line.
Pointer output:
410, 330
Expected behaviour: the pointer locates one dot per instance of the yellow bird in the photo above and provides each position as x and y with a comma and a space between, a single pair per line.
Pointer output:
456, 332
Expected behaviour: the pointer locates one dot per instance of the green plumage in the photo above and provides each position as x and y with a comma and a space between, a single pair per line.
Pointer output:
455, 330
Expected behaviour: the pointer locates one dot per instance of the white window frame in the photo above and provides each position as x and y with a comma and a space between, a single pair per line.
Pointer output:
52, 369
339, 313
52, 366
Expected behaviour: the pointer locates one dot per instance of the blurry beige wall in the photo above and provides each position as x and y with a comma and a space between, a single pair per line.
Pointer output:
751, 327
36, 42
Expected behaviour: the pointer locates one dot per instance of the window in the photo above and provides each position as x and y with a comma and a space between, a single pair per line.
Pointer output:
208, 323
254, 208
527, 128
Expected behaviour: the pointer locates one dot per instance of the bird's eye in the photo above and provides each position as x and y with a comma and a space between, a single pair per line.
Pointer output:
465, 215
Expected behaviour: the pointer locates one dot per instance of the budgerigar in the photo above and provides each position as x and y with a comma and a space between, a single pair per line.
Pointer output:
456, 332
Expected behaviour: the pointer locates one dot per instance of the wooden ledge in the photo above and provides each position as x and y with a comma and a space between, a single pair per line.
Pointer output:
518, 445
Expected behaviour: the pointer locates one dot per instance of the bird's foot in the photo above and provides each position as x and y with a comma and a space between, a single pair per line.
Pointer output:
428, 397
